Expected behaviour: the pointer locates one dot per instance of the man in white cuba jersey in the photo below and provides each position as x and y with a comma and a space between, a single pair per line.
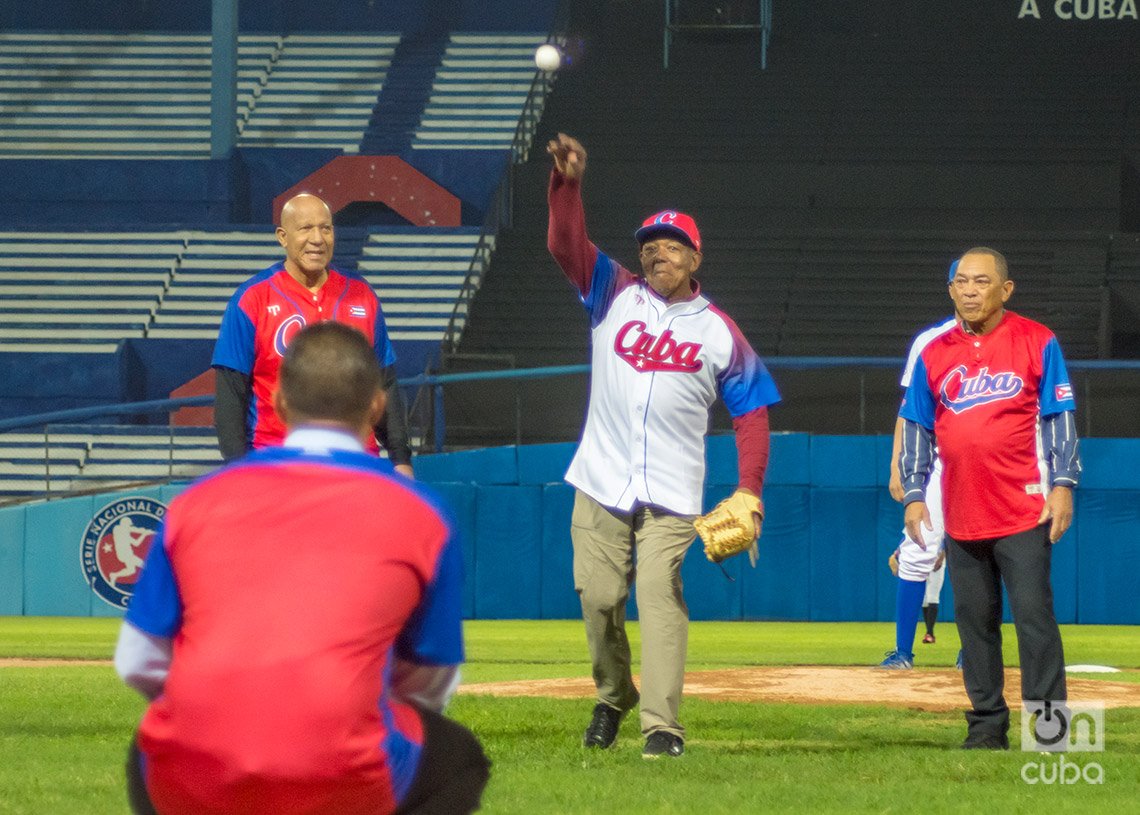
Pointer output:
921, 569
661, 354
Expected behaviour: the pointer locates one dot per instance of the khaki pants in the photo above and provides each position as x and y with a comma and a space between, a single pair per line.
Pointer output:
605, 541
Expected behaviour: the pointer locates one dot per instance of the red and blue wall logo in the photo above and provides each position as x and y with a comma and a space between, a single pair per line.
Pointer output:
115, 545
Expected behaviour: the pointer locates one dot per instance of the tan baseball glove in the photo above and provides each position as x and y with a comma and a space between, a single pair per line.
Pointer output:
729, 529
893, 563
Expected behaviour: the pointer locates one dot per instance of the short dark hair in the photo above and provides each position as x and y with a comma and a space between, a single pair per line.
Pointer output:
1000, 265
330, 372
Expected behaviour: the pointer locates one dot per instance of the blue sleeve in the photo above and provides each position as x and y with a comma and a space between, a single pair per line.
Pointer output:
383, 345
235, 346
155, 606
918, 402
745, 384
603, 287
434, 633
916, 455
1062, 448
1056, 394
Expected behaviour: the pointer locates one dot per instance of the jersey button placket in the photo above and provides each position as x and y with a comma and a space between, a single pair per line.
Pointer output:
638, 429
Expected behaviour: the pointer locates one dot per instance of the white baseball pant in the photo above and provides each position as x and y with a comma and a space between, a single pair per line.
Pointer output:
916, 563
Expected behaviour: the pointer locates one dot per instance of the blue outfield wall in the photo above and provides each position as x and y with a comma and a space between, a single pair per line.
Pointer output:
829, 529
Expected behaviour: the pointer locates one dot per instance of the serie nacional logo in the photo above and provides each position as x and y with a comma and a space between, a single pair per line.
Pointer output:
115, 545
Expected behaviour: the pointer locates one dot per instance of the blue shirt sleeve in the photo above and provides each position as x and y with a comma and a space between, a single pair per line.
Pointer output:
1062, 449
235, 345
745, 384
1056, 394
918, 402
434, 633
603, 287
155, 606
381, 342
916, 454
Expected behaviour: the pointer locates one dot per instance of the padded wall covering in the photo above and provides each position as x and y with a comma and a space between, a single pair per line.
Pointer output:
827, 534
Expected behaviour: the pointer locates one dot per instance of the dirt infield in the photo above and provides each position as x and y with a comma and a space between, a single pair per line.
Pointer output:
918, 690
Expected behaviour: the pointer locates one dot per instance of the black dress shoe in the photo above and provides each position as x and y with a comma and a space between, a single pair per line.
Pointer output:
986, 741
661, 744
603, 727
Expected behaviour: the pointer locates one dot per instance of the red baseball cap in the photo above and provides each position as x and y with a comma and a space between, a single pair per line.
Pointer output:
672, 222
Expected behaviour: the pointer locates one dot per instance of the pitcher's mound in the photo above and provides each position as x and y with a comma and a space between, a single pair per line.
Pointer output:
915, 689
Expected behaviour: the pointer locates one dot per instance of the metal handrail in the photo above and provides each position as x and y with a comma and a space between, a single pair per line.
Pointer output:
436, 380
434, 384
474, 276
98, 411
500, 211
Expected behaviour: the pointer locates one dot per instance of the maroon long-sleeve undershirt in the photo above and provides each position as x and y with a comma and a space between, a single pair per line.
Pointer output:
566, 236
752, 446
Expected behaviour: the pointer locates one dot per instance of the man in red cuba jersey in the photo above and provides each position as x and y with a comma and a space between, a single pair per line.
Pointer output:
268, 310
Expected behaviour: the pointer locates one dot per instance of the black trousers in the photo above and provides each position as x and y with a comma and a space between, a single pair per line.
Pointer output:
452, 774
977, 570
453, 770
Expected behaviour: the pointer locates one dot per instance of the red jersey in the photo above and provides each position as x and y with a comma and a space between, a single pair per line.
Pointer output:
267, 311
284, 632
983, 397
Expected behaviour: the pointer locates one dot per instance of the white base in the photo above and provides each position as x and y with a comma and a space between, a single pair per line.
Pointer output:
1091, 669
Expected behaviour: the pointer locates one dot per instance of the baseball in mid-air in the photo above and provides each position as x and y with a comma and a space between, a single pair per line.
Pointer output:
547, 58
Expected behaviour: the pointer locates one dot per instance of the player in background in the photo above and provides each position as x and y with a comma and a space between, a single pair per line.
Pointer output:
295, 644
920, 569
265, 313
661, 354
995, 394
931, 598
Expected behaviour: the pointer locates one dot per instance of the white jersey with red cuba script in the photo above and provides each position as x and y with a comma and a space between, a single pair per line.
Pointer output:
657, 369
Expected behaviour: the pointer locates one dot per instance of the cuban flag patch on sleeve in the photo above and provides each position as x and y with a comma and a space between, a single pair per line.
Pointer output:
358, 311
1064, 392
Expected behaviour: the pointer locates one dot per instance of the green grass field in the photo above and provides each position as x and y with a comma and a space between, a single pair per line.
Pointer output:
64, 729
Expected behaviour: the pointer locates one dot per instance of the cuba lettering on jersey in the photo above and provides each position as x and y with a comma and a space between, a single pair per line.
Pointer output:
267, 311
646, 352
983, 397
657, 369
284, 633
